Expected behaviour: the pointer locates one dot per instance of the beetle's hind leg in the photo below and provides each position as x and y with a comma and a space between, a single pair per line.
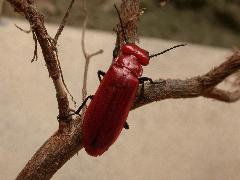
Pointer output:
100, 74
78, 110
83, 104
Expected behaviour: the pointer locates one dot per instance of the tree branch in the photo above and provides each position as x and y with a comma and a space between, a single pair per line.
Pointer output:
130, 13
194, 87
54, 153
57, 35
223, 95
49, 50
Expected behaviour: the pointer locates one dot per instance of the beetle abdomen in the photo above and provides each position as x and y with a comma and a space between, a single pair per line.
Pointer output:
108, 111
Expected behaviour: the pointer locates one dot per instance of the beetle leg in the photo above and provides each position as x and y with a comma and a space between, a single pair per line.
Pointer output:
83, 104
141, 81
100, 73
78, 110
126, 126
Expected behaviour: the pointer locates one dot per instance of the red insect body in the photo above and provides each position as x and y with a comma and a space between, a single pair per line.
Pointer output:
107, 112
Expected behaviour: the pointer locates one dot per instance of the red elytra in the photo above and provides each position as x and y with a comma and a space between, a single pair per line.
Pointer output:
108, 110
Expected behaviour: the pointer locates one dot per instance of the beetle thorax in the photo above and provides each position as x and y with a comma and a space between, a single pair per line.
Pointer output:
129, 62
132, 49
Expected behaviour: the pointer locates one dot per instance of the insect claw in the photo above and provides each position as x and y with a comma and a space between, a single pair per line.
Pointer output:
126, 126
78, 114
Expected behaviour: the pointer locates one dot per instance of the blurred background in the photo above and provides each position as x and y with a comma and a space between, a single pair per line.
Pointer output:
208, 22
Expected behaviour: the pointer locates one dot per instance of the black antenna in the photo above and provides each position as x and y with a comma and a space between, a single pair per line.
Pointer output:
154, 55
119, 16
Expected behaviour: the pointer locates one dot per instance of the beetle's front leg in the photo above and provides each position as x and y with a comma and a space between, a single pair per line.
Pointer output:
100, 73
143, 79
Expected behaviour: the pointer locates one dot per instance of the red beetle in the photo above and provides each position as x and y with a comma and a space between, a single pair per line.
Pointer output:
106, 114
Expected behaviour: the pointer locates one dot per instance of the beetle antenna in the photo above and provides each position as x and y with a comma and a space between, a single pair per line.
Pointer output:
119, 16
154, 55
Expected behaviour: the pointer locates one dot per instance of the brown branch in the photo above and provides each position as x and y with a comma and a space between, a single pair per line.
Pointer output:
59, 31
222, 95
49, 50
54, 153
35, 53
66, 142
194, 87
130, 13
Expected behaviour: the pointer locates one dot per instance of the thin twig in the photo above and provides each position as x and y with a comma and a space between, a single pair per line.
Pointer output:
86, 55
57, 35
65, 85
64, 21
23, 30
35, 53
84, 25
100, 51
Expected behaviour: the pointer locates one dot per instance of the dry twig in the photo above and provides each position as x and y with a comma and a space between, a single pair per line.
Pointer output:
23, 30
87, 56
35, 53
64, 21
57, 35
